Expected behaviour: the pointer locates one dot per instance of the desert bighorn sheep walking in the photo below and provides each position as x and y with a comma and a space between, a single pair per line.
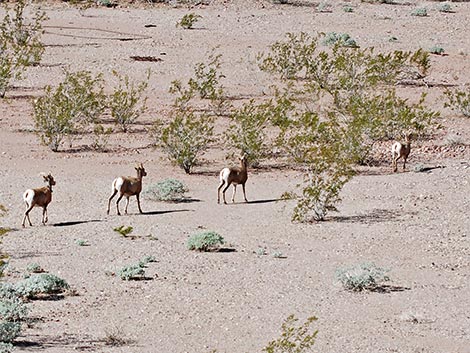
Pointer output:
40, 197
233, 176
401, 150
128, 186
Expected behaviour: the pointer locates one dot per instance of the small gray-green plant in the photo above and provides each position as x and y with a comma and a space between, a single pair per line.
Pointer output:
437, 50
348, 8
9, 331
343, 39
186, 136
324, 7
294, 338
13, 309
419, 12
365, 276
445, 7
278, 255
81, 242
123, 230
261, 252
34, 268
20, 43
146, 259
188, 20
459, 100
131, 272
6, 347
127, 103
166, 190
205, 241
41, 284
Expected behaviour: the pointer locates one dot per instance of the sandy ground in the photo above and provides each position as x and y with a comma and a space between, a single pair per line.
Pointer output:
415, 224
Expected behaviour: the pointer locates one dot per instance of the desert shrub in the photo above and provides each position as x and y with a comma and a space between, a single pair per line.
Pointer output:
343, 39
123, 230
166, 190
365, 276
127, 103
278, 255
147, 259
81, 242
188, 20
185, 137
20, 43
61, 112
41, 284
9, 331
101, 137
6, 347
438, 50
131, 272
348, 8
419, 12
294, 338
445, 7
247, 130
34, 268
205, 241
261, 252
13, 309
324, 7
458, 100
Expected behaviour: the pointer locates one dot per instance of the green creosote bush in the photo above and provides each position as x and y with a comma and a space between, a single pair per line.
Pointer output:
62, 112
20, 43
365, 276
166, 190
420, 12
294, 338
205, 241
123, 230
41, 284
34, 268
438, 50
101, 137
364, 109
188, 21
131, 272
458, 100
185, 138
127, 103
343, 39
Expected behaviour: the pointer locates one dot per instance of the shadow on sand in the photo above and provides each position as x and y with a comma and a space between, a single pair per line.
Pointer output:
74, 223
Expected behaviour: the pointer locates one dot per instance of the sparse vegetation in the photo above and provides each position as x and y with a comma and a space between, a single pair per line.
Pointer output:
342, 39
185, 137
131, 272
445, 7
188, 20
419, 12
437, 50
166, 190
294, 338
41, 284
459, 100
147, 259
205, 241
81, 242
20, 43
34, 268
365, 276
127, 103
123, 230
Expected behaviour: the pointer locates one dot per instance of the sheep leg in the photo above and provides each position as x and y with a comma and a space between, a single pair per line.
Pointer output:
117, 204
223, 192
138, 202
244, 193
44, 215
26, 215
234, 191
112, 196
127, 204
404, 163
222, 182
395, 167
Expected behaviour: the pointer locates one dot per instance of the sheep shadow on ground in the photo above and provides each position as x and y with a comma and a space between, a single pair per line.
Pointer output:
153, 213
389, 289
73, 223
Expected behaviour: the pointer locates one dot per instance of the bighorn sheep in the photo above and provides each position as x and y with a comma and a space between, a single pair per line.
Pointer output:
401, 150
128, 186
233, 176
40, 197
